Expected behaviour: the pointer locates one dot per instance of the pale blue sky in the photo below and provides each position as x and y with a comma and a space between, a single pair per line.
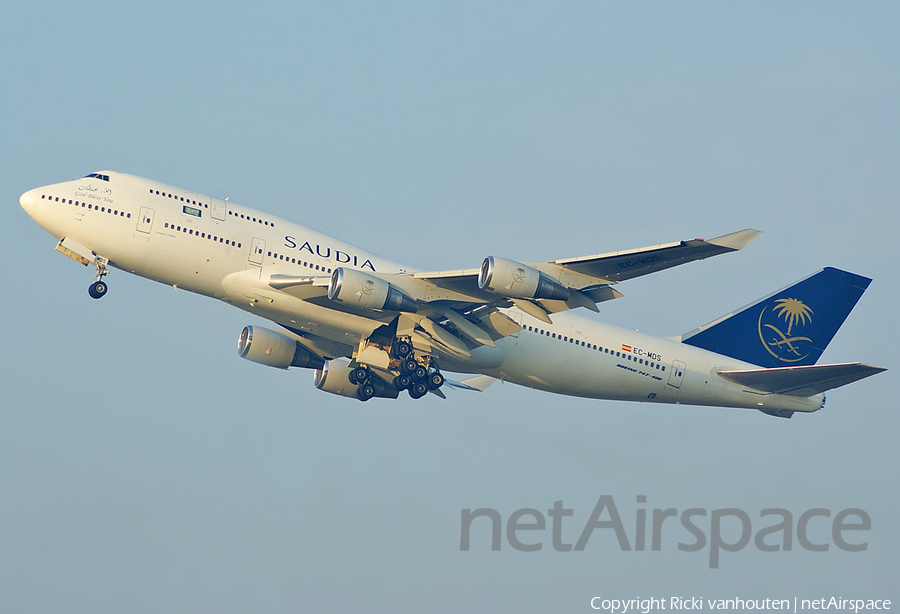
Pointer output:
144, 467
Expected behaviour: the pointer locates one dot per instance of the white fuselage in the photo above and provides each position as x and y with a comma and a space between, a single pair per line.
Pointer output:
229, 252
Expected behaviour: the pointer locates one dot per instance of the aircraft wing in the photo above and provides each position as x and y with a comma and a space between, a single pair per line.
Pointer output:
619, 266
589, 277
453, 313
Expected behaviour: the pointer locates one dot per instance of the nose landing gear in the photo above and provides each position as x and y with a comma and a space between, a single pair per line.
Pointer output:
98, 288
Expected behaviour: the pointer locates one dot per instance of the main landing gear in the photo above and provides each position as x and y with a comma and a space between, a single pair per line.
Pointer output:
414, 377
98, 288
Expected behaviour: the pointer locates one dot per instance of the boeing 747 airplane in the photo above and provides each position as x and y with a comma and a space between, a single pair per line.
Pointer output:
373, 328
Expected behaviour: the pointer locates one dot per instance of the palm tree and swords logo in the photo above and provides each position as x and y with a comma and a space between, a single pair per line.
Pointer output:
785, 345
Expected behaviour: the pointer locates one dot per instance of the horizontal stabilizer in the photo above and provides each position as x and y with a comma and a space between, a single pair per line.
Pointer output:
803, 381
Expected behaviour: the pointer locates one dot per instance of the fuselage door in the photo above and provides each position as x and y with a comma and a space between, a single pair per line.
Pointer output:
218, 209
677, 374
257, 250
145, 220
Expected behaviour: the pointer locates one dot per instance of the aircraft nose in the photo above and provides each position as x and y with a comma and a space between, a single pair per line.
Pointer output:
28, 200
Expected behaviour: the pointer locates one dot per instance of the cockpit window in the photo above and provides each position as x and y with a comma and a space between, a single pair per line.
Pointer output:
97, 176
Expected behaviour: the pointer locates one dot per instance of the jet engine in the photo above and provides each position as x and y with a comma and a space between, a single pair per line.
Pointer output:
517, 280
271, 348
334, 377
360, 289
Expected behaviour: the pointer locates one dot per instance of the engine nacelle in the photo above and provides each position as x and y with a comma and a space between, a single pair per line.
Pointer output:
517, 280
271, 348
334, 377
360, 289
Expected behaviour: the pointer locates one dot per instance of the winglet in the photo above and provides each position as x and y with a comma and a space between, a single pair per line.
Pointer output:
736, 240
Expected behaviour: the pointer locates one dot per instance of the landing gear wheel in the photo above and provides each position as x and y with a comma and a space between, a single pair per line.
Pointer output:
408, 366
420, 373
97, 289
365, 392
435, 380
402, 349
402, 382
418, 390
352, 377
360, 374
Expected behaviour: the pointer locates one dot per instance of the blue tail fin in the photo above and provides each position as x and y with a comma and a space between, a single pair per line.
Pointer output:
790, 327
